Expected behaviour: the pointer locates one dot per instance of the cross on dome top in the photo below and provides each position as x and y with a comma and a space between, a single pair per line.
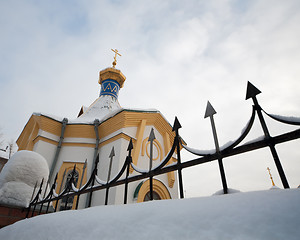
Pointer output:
115, 57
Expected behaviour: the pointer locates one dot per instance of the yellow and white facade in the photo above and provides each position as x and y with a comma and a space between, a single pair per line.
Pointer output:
96, 130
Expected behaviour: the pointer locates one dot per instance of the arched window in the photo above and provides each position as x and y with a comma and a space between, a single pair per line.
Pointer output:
64, 175
155, 196
63, 205
160, 191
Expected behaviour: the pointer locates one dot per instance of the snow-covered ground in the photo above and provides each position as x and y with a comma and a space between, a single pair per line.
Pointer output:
272, 214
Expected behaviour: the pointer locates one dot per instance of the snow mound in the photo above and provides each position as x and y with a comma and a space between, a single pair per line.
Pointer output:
265, 215
19, 176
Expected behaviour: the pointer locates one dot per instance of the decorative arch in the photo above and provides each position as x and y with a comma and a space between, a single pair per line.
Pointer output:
158, 187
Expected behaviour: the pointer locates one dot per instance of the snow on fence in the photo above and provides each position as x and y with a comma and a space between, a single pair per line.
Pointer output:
39, 202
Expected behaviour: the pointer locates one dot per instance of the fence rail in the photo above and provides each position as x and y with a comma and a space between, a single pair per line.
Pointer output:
95, 183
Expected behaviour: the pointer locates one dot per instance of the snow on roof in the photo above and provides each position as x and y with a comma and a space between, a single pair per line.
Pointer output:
92, 119
89, 119
102, 108
264, 215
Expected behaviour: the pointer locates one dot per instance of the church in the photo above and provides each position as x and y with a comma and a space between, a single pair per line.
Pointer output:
101, 129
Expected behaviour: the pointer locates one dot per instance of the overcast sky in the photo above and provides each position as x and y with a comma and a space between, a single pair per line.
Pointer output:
176, 55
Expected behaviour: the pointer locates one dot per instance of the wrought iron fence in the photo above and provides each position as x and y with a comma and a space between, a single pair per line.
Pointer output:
95, 183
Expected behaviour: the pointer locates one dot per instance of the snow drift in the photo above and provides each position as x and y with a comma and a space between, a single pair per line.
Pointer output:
271, 214
19, 176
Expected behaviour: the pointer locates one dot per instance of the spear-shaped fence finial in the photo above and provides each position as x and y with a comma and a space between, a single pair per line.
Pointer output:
151, 139
252, 91
128, 159
175, 129
209, 112
83, 173
130, 147
111, 156
176, 125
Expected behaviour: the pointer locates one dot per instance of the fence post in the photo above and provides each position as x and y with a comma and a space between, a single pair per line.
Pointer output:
59, 190
111, 156
80, 185
128, 159
44, 196
95, 172
32, 196
151, 139
51, 192
69, 185
252, 91
209, 112
176, 126
37, 197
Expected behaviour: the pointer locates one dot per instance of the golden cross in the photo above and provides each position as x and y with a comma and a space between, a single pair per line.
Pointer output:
115, 57
269, 170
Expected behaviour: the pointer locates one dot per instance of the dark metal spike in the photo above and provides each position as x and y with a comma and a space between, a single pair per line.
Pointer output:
97, 160
151, 136
47, 183
72, 176
112, 153
130, 146
210, 111
42, 183
176, 125
55, 179
252, 91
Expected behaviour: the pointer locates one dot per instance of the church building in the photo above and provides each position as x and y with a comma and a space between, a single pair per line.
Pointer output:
101, 129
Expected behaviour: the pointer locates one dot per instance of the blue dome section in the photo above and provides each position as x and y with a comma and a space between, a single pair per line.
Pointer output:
110, 87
